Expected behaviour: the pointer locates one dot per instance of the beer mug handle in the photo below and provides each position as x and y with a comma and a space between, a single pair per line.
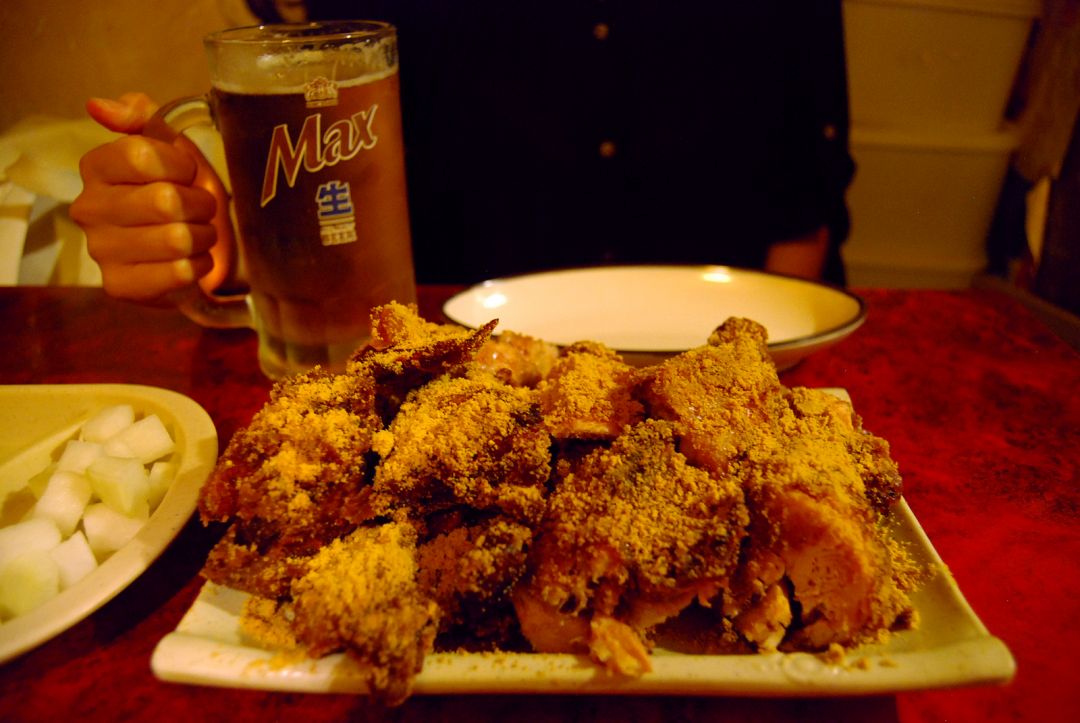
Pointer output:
209, 310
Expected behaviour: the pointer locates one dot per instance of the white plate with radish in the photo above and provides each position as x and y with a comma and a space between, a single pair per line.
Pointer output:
95, 482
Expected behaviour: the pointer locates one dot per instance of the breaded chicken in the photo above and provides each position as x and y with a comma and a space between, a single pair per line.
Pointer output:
818, 531
452, 489
517, 359
590, 393
816, 536
469, 571
308, 441
298, 476
468, 442
360, 595
815, 485
406, 352
633, 534
721, 396
241, 564
825, 414
291, 481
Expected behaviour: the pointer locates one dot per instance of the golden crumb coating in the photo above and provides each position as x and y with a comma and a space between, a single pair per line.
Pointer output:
267, 622
590, 394
298, 475
242, 565
818, 568
634, 532
453, 491
309, 439
466, 441
828, 415
720, 396
814, 528
360, 595
407, 352
470, 571
294, 479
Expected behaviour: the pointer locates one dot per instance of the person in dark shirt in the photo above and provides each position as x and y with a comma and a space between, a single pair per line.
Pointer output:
562, 133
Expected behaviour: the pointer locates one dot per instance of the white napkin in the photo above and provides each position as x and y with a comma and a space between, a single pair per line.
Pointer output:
39, 178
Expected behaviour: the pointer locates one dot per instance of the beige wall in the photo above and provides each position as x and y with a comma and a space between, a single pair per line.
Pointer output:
57, 53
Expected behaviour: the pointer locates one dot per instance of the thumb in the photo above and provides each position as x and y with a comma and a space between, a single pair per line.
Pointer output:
127, 114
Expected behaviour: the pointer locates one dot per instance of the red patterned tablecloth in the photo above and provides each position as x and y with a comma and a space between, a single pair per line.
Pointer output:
978, 399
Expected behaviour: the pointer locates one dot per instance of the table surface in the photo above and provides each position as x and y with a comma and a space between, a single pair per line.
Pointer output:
977, 398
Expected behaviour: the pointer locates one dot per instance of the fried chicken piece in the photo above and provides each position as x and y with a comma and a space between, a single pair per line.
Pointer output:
824, 412
241, 565
360, 595
406, 352
634, 533
292, 480
818, 562
590, 394
468, 442
814, 529
297, 476
469, 571
517, 359
721, 396
310, 434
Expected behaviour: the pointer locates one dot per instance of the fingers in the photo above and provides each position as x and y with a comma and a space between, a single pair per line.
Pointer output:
149, 223
127, 114
136, 159
146, 263
150, 283
148, 240
150, 244
151, 204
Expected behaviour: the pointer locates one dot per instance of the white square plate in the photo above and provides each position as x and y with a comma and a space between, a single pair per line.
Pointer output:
35, 421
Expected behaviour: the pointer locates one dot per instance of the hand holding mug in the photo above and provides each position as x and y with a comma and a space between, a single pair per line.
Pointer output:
310, 118
150, 209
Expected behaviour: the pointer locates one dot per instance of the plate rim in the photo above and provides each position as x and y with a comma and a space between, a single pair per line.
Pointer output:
25, 632
821, 337
187, 656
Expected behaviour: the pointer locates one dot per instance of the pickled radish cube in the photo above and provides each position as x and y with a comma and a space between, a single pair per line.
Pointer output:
116, 447
74, 559
64, 500
26, 582
161, 478
146, 439
107, 530
78, 454
122, 483
107, 423
36, 534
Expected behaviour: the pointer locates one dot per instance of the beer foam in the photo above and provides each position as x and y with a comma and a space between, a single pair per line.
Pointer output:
285, 73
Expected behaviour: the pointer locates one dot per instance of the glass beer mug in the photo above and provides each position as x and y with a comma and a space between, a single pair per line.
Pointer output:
310, 120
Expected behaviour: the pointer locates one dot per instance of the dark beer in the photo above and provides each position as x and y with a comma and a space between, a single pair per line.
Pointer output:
318, 185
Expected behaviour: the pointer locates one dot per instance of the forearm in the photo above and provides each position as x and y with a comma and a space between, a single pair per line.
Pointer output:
802, 256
